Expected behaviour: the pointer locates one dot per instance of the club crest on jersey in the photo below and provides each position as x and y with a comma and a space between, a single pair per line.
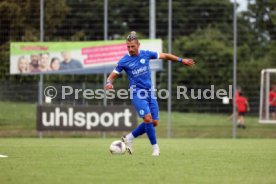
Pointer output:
142, 112
142, 61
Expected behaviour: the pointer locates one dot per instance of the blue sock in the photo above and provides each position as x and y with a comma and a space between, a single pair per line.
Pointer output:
151, 133
140, 130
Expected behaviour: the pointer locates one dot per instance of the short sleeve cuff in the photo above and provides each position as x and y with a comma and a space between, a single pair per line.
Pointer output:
115, 71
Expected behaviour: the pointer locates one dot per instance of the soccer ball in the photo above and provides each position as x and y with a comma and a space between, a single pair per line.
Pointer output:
117, 147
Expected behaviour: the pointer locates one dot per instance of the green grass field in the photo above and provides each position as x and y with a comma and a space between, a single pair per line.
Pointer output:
87, 160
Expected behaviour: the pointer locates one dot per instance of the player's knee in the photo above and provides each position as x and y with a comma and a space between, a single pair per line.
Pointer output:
147, 118
155, 122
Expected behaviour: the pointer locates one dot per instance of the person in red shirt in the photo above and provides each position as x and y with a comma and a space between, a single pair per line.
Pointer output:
236, 96
272, 102
242, 108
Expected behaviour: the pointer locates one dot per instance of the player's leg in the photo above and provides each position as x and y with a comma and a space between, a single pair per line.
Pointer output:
242, 122
155, 119
150, 130
154, 109
240, 119
129, 138
149, 127
142, 108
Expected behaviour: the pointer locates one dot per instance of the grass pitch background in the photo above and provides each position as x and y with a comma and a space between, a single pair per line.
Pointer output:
84, 160
87, 160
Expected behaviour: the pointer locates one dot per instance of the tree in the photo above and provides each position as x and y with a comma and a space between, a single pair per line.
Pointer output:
262, 16
20, 21
11, 21
213, 55
84, 21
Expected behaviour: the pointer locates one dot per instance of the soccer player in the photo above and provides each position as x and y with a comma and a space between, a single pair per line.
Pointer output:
242, 107
272, 102
136, 65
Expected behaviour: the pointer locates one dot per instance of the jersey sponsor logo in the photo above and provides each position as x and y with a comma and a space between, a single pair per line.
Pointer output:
139, 71
142, 61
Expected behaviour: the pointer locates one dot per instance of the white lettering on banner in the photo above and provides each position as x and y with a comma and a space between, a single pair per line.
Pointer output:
127, 118
59, 115
106, 119
79, 119
88, 119
51, 119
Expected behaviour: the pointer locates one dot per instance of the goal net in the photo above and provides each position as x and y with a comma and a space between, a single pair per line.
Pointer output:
268, 80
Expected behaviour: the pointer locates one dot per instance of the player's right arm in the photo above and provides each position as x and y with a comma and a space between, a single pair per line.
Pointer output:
110, 80
113, 75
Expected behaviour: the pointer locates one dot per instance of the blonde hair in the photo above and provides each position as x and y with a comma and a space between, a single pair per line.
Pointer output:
20, 59
132, 36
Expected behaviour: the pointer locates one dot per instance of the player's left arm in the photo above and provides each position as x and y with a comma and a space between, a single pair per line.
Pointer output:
171, 57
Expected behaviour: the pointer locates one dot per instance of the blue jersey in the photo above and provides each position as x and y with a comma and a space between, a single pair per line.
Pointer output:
137, 68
